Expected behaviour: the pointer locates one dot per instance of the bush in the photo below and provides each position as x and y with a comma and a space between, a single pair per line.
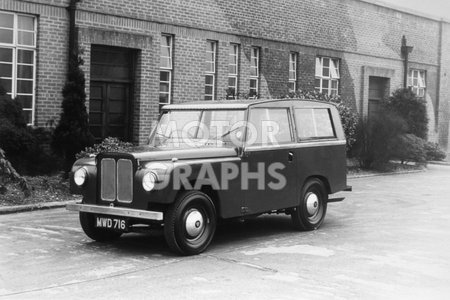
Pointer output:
412, 109
375, 137
72, 133
408, 148
433, 152
110, 144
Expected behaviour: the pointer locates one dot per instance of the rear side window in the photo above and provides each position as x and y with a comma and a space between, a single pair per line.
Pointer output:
314, 123
269, 126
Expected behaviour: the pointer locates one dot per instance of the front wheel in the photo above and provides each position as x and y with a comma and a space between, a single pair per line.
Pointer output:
190, 223
310, 213
87, 222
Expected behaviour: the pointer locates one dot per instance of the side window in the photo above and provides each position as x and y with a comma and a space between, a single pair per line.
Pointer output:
314, 123
269, 126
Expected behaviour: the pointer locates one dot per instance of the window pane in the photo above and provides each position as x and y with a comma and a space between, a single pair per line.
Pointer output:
253, 72
326, 62
164, 76
323, 123
291, 86
232, 69
334, 84
325, 84
165, 62
28, 116
24, 71
6, 36
25, 23
231, 81
272, 126
26, 101
209, 67
208, 90
166, 40
163, 98
6, 84
164, 87
165, 51
25, 56
326, 72
24, 86
252, 83
6, 54
291, 74
26, 38
5, 70
317, 83
6, 20
209, 79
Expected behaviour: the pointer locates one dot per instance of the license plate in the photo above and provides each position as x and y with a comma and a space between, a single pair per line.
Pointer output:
111, 223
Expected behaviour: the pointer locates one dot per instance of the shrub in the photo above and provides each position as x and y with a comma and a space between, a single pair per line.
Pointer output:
110, 144
412, 109
433, 152
408, 148
24, 146
375, 137
72, 133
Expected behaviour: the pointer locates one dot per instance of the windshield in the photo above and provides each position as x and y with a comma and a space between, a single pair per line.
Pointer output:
194, 128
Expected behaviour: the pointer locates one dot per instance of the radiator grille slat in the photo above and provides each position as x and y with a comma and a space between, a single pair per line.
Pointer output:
124, 180
108, 182
116, 180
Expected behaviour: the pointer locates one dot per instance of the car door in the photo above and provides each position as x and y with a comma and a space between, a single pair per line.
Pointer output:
268, 169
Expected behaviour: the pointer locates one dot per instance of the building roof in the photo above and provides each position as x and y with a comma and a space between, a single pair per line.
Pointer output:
406, 10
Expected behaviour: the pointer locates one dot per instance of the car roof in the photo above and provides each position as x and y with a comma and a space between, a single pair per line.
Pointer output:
239, 104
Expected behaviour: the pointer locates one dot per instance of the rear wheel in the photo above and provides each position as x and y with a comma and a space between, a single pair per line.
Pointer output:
310, 213
87, 222
190, 223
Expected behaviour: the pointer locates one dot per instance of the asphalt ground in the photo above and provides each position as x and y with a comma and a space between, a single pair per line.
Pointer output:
390, 239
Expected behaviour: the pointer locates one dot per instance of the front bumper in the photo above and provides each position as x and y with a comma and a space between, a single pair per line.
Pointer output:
117, 211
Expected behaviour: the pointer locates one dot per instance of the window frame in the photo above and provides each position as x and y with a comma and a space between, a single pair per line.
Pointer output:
16, 47
233, 54
293, 63
164, 69
419, 90
333, 77
297, 119
254, 78
209, 73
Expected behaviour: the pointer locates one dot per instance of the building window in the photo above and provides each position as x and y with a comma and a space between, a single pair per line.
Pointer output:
293, 72
166, 69
18, 59
210, 70
327, 75
417, 82
254, 72
233, 71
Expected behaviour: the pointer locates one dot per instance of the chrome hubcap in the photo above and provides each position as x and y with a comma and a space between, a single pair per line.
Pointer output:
194, 223
312, 204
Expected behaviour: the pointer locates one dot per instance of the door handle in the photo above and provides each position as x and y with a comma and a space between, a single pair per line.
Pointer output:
290, 156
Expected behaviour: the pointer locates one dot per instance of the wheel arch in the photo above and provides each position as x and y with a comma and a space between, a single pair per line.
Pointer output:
323, 179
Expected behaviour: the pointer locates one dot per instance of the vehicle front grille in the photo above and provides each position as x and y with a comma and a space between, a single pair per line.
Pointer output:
116, 181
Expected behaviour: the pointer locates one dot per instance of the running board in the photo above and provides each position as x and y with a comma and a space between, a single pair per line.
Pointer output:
335, 200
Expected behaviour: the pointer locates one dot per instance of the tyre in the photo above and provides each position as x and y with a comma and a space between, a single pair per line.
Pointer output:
311, 211
87, 221
190, 223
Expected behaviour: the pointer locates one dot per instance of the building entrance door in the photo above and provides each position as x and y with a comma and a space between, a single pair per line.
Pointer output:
378, 90
111, 92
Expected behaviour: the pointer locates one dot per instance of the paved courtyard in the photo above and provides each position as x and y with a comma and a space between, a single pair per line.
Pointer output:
390, 238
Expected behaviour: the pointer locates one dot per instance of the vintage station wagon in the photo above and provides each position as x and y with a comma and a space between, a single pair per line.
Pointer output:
209, 161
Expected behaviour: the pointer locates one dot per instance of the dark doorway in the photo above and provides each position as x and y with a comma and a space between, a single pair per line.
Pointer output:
378, 90
111, 91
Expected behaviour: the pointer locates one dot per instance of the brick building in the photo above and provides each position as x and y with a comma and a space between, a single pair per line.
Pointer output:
141, 54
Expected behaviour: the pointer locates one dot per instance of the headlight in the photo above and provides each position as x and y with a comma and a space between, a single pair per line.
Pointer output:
149, 180
80, 176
